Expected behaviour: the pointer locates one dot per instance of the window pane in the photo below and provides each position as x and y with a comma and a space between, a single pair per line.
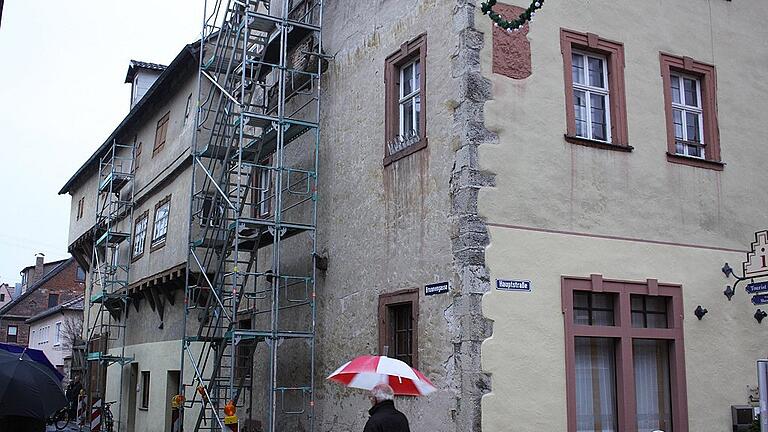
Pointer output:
691, 98
581, 299
407, 80
407, 119
417, 76
677, 118
417, 113
581, 316
598, 117
652, 390
580, 111
656, 304
595, 385
596, 72
638, 319
675, 80
577, 68
603, 301
656, 320
692, 125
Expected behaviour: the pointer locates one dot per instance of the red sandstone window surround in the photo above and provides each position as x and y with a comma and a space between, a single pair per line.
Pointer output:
595, 101
625, 365
690, 105
398, 325
405, 115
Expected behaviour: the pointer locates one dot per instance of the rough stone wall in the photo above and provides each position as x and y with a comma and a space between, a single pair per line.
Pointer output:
469, 328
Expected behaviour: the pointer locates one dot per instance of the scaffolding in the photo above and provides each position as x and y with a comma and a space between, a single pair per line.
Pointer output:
109, 274
250, 307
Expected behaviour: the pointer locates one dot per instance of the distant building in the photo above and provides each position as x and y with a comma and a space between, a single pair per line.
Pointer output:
55, 330
44, 286
6, 294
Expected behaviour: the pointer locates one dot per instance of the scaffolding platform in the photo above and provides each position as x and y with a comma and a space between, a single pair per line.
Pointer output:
111, 238
114, 182
107, 358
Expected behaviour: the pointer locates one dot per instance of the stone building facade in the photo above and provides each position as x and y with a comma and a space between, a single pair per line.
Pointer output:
501, 184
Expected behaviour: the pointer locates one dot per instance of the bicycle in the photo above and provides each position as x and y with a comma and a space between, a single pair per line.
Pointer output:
60, 419
107, 419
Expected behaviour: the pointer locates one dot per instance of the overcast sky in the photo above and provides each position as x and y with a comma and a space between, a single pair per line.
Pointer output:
63, 64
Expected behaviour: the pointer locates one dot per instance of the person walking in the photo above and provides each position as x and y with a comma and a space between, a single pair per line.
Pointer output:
72, 393
383, 415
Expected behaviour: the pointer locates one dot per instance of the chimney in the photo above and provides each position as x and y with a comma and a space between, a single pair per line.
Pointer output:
142, 75
38, 271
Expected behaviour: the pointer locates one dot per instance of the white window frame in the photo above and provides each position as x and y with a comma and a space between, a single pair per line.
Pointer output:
140, 236
589, 90
687, 109
409, 98
57, 335
157, 237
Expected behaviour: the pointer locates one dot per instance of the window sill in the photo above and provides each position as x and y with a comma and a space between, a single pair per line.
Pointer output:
388, 160
143, 408
157, 246
137, 257
695, 162
598, 144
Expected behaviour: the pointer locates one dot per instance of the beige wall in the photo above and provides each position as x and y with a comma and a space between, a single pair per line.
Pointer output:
53, 350
543, 182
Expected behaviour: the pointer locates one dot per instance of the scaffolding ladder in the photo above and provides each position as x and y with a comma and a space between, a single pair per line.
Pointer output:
250, 307
107, 302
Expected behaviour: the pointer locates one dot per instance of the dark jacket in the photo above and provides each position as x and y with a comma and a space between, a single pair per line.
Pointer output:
385, 418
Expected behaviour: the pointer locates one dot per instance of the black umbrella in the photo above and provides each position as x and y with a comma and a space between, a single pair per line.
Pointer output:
28, 388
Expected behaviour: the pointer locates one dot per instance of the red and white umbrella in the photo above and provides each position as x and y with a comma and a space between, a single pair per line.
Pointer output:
365, 372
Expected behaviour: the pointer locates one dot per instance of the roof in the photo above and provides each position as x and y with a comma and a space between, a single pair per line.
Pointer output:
136, 64
75, 304
48, 264
8, 307
186, 57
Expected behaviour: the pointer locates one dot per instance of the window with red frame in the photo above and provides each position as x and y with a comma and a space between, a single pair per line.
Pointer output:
594, 91
624, 355
690, 91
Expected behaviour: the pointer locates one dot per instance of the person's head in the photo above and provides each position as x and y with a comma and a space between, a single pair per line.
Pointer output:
380, 393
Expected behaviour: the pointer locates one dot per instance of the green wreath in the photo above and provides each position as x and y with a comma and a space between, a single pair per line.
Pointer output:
515, 24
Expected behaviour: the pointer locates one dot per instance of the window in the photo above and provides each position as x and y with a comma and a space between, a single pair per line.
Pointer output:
404, 114
137, 162
13, 332
2, 297
162, 209
33, 338
80, 274
140, 235
209, 216
594, 91
624, 355
57, 335
53, 300
80, 208
160, 133
187, 108
398, 329
145, 389
691, 111
263, 191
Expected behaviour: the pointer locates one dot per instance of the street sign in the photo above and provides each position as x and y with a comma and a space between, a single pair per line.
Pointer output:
756, 287
436, 288
760, 299
513, 285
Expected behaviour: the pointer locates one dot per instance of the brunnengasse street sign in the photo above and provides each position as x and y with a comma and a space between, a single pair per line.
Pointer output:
760, 299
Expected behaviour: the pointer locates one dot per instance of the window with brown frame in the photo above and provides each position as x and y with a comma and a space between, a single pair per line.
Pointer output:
137, 162
595, 101
405, 117
398, 325
160, 223
263, 194
161, 132
625, 366
13, 334
690, 105
145, 382
139, 235
53, 300
80, 208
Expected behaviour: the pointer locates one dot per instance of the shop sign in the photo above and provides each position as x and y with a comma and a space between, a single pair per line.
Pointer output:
756, 264
760, 299
757, 287
513, 285
436, 288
